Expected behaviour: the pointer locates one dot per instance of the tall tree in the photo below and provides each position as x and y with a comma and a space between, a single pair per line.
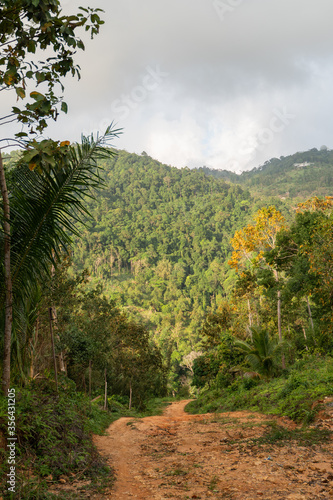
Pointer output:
45, 205
38, 28
305, 253
30, 28
251, 243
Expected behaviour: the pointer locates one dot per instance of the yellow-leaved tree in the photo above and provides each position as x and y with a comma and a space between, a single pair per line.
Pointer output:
250, 244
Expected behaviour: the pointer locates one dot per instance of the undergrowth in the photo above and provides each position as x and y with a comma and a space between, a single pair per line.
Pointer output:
118, 407
278, 435
54, 439
295, 394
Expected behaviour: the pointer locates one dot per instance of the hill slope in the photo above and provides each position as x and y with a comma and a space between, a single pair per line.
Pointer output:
159, 241
302, 175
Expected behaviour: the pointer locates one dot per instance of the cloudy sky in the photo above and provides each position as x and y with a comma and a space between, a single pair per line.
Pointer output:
223, 83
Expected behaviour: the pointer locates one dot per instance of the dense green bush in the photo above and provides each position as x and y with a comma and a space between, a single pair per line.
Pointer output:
54, 433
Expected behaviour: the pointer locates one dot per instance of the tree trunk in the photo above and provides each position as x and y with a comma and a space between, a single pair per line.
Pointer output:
33, 347
8, 283
130, 398
250, 315
310, 313
276, 275
279, 315
105, 391
89, 378
61, 356
53, 349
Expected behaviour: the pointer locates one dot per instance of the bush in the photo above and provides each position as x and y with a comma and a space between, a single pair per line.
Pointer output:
294, 395
54, 431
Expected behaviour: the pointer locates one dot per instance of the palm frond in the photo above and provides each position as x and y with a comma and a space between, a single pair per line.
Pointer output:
46, 205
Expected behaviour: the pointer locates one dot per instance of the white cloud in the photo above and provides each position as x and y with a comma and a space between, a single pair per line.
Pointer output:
223, 79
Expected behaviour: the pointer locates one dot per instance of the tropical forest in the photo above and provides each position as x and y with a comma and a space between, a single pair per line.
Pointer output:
129, 286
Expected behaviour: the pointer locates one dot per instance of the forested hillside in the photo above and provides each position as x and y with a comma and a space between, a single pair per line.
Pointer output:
303, 174
178, 281
159, 242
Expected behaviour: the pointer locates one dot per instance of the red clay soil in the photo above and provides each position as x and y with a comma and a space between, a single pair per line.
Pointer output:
213, 456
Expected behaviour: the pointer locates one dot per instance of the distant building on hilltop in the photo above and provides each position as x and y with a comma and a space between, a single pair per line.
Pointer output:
302, 165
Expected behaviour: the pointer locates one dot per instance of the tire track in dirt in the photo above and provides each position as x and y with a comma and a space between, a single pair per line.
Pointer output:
212, 456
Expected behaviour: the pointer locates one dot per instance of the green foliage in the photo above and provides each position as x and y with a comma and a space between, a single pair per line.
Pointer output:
304, 254
262, 352
54, 434
45, 206
278, 436
29, 27
295, 395
159, 242
216, 365
205, 369
301, 175
93, 331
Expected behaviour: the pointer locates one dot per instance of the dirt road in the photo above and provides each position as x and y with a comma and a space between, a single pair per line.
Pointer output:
182, 456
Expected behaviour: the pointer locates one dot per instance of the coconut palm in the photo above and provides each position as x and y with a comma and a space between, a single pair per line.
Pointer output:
46, 196
262, 352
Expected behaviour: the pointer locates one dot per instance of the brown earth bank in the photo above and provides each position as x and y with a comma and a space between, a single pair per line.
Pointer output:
214, 456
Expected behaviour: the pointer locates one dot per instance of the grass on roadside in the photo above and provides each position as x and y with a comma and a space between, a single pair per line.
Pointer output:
54, 439
277, 435
294, 395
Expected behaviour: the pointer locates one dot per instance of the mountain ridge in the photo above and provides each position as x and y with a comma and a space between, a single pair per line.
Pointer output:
302, 174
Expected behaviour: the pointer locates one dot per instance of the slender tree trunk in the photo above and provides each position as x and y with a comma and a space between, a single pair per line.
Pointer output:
310, 313
61, 356
55, 324
89, 378
35, 339
105, 391
8, 283
130, 398
256, 304
276, 275
53, 349
250, 314
279, 315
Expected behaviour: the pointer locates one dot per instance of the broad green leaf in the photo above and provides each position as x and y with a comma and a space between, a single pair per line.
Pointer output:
20, 92
64, 107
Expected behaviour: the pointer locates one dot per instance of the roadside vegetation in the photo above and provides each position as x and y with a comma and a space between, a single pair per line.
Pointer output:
298, 393
54, 433
269, 345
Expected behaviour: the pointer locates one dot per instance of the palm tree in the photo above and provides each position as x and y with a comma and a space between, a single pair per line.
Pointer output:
262, 352
46, 195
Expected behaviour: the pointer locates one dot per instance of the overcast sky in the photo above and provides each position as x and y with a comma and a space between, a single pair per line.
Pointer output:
223, 83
